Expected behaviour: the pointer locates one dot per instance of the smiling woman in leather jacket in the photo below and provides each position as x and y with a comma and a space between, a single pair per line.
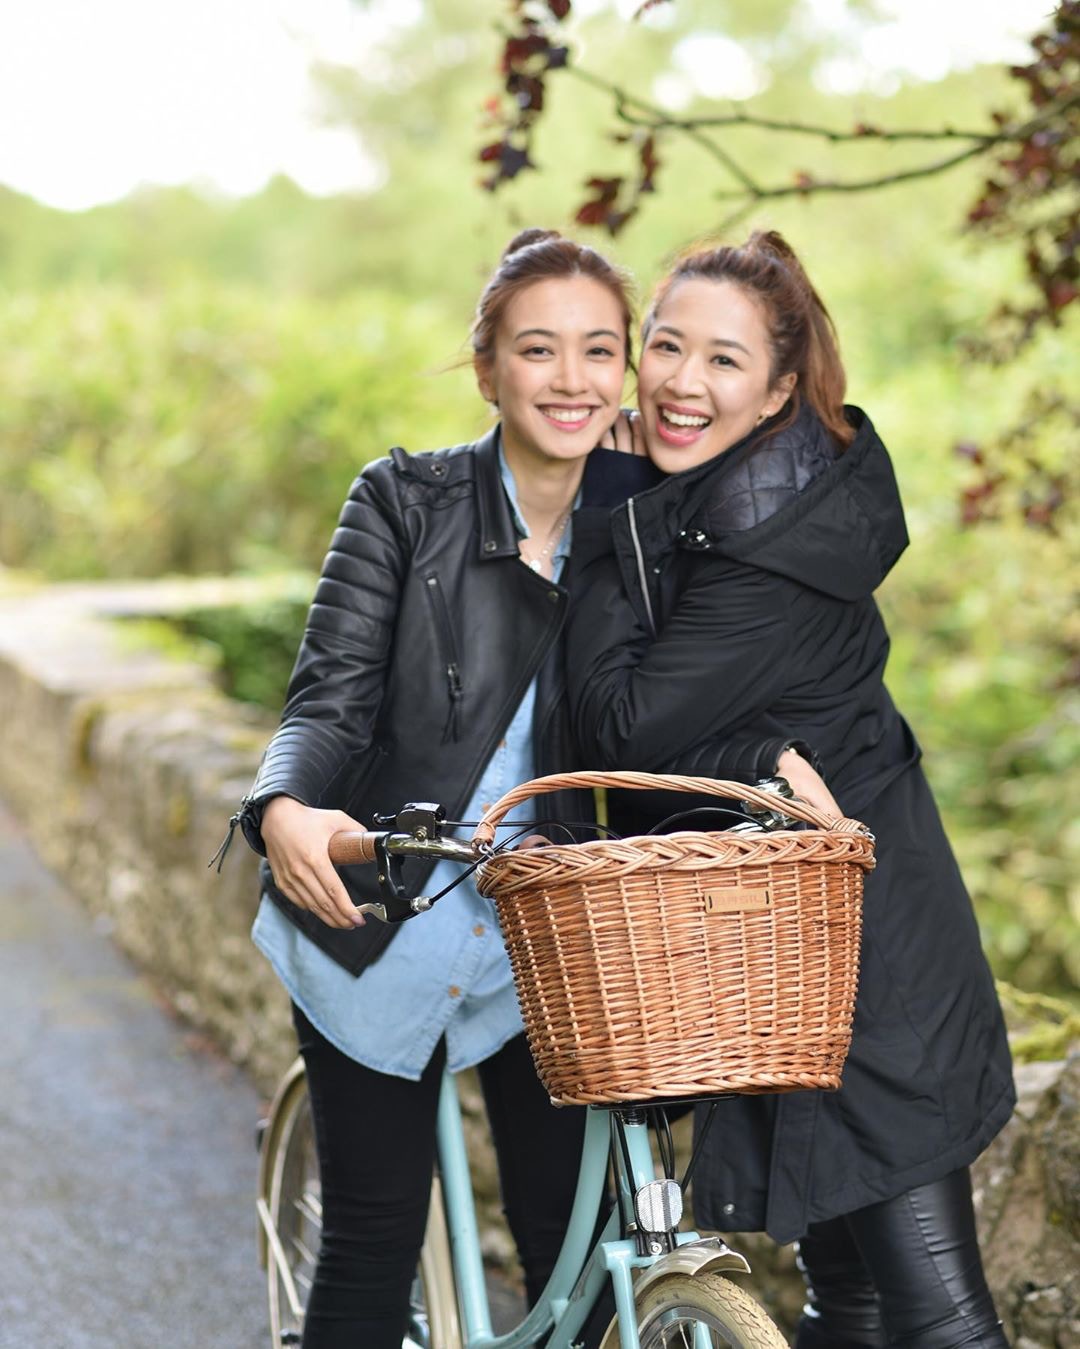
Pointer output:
427, 671
741, 586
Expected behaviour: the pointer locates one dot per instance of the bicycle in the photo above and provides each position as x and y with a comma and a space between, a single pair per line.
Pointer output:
671, 1287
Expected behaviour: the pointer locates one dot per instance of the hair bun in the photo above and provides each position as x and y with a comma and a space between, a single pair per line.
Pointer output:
524, 238
773, 244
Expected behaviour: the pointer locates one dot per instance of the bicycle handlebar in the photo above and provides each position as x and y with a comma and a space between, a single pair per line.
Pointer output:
353, 847
417, 830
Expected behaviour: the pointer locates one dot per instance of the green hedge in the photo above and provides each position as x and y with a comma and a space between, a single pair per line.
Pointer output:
205, 429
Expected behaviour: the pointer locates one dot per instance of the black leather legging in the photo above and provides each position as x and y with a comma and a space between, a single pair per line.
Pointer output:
375, 1136
905, 1272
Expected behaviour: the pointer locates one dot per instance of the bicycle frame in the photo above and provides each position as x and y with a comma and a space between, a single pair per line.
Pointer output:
584, 1262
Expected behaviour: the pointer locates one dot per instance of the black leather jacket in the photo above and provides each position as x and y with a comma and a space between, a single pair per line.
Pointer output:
423, 636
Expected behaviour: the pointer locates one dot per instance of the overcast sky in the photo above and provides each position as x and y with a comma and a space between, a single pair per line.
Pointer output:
96, 98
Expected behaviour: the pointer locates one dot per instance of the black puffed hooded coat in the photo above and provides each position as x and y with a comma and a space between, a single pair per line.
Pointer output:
743, 589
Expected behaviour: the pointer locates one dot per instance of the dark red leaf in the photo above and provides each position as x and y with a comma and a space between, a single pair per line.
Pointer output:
519, 50
597, 211
647, 154
513, 160
1061, 293
527, 91
591, 213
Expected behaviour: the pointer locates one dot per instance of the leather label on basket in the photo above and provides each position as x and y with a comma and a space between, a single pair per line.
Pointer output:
736, 901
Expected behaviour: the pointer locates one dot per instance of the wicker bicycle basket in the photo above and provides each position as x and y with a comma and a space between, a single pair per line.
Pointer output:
684, 964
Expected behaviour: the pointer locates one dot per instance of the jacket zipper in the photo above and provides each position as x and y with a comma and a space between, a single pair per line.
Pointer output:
631, 516
448, 652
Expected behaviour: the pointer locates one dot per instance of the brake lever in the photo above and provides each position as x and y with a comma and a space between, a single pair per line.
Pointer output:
396, 906
417, 832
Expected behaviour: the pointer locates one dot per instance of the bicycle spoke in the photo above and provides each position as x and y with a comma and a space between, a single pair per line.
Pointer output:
303, 1250
309, 1206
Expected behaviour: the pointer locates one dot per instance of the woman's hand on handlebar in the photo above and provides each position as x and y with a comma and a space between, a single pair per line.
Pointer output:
297, 839
807, 782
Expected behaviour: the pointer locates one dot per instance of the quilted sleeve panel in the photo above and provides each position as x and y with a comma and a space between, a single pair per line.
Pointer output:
337, 682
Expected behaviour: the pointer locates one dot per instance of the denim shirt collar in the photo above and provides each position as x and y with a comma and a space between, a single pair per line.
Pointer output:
562, 548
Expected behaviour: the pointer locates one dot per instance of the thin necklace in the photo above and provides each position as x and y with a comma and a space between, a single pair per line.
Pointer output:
558, 529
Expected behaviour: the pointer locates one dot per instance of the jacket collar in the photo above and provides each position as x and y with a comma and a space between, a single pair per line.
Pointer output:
665, 510
498, 534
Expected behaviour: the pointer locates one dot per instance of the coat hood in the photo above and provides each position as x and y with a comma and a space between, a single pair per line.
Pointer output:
794, 506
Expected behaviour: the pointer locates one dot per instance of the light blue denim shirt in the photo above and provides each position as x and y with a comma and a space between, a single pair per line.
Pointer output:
446, 972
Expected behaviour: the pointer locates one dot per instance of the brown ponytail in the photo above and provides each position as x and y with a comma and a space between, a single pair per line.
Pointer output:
802, 338
535, 255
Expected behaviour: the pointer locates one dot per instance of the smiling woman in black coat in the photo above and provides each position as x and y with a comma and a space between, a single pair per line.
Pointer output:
740, 590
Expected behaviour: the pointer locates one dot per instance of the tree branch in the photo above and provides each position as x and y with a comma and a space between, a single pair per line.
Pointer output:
645, 116
807, 185
656, 118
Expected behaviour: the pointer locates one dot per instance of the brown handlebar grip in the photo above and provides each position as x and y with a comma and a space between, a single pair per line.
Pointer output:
352, 847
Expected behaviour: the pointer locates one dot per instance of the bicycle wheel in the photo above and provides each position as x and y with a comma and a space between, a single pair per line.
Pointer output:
293, 1211
691, 1311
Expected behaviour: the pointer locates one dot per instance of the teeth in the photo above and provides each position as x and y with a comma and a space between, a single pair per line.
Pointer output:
568, 414
681, 419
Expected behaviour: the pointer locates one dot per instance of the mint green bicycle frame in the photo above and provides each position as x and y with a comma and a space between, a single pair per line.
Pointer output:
582, 1267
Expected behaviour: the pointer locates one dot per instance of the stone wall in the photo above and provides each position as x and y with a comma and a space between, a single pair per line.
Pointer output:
124, 766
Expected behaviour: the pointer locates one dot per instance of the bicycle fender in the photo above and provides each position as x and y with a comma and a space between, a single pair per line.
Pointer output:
693, 1258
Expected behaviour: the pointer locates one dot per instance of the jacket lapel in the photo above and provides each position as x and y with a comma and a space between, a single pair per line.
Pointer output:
498, 537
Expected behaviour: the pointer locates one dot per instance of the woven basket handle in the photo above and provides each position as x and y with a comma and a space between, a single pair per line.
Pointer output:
557, 782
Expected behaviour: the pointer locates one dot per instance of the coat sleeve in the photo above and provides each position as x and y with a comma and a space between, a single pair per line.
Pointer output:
337, 683
746, 755
695, 697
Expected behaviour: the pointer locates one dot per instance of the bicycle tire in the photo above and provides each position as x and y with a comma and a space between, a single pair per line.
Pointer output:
671, 1310
293, 1202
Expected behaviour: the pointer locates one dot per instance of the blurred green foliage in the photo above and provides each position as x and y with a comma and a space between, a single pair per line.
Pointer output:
206, 427
189, 384
254, 646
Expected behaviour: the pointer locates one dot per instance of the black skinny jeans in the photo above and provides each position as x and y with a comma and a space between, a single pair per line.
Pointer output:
905, 1272
375, 1136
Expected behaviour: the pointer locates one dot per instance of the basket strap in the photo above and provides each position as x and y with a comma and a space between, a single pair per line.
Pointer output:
557, 782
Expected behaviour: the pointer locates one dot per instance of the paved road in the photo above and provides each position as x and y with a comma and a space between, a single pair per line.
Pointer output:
127, 1166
